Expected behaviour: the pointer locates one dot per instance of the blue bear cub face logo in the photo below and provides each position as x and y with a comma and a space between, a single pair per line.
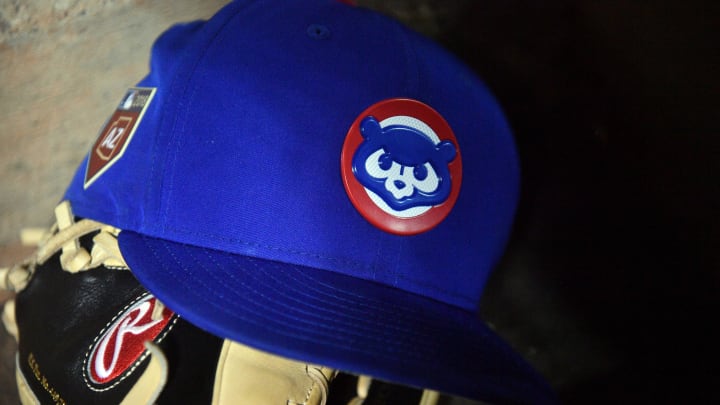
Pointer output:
402, 165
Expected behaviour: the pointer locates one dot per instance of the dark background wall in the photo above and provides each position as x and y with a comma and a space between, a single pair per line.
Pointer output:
610, 281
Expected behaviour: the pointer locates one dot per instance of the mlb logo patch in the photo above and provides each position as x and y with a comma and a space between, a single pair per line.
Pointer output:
401, 166
117, 133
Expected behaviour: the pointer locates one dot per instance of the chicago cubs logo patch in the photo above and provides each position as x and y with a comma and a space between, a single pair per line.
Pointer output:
117, 133
401, 166
119, 347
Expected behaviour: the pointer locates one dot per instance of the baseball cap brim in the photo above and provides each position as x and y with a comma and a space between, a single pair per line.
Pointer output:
334, 320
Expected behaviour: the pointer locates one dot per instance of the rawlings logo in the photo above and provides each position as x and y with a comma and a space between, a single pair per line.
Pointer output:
120, 346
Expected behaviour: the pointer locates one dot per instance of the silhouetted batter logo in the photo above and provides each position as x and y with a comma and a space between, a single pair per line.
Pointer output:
401, 166
117, 133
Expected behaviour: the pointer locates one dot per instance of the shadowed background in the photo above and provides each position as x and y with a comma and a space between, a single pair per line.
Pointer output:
609, 281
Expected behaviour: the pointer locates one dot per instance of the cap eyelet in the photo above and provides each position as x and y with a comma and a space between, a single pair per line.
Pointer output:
318, 31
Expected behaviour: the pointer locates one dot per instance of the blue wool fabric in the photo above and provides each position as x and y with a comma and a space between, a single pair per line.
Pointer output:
236, 208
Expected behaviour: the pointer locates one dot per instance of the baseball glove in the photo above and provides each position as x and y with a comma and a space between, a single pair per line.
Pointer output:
89, 333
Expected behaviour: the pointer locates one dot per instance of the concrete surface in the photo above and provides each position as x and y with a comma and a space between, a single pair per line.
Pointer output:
611, 277
63, 66
61, 70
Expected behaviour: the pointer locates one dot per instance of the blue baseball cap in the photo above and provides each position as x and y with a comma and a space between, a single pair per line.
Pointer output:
315, 180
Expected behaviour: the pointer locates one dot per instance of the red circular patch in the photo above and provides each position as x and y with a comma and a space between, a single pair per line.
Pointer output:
423, 119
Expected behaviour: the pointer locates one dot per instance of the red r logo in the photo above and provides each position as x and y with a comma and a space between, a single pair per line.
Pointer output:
122, 343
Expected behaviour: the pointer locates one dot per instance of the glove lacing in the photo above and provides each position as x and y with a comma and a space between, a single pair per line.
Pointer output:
65, 235
320, 381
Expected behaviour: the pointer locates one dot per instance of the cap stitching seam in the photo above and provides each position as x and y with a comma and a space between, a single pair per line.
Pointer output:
411, 82
311, 326
349, 262
329, 316
353, 263
465, 298
409, 354
219, 36
382, 305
